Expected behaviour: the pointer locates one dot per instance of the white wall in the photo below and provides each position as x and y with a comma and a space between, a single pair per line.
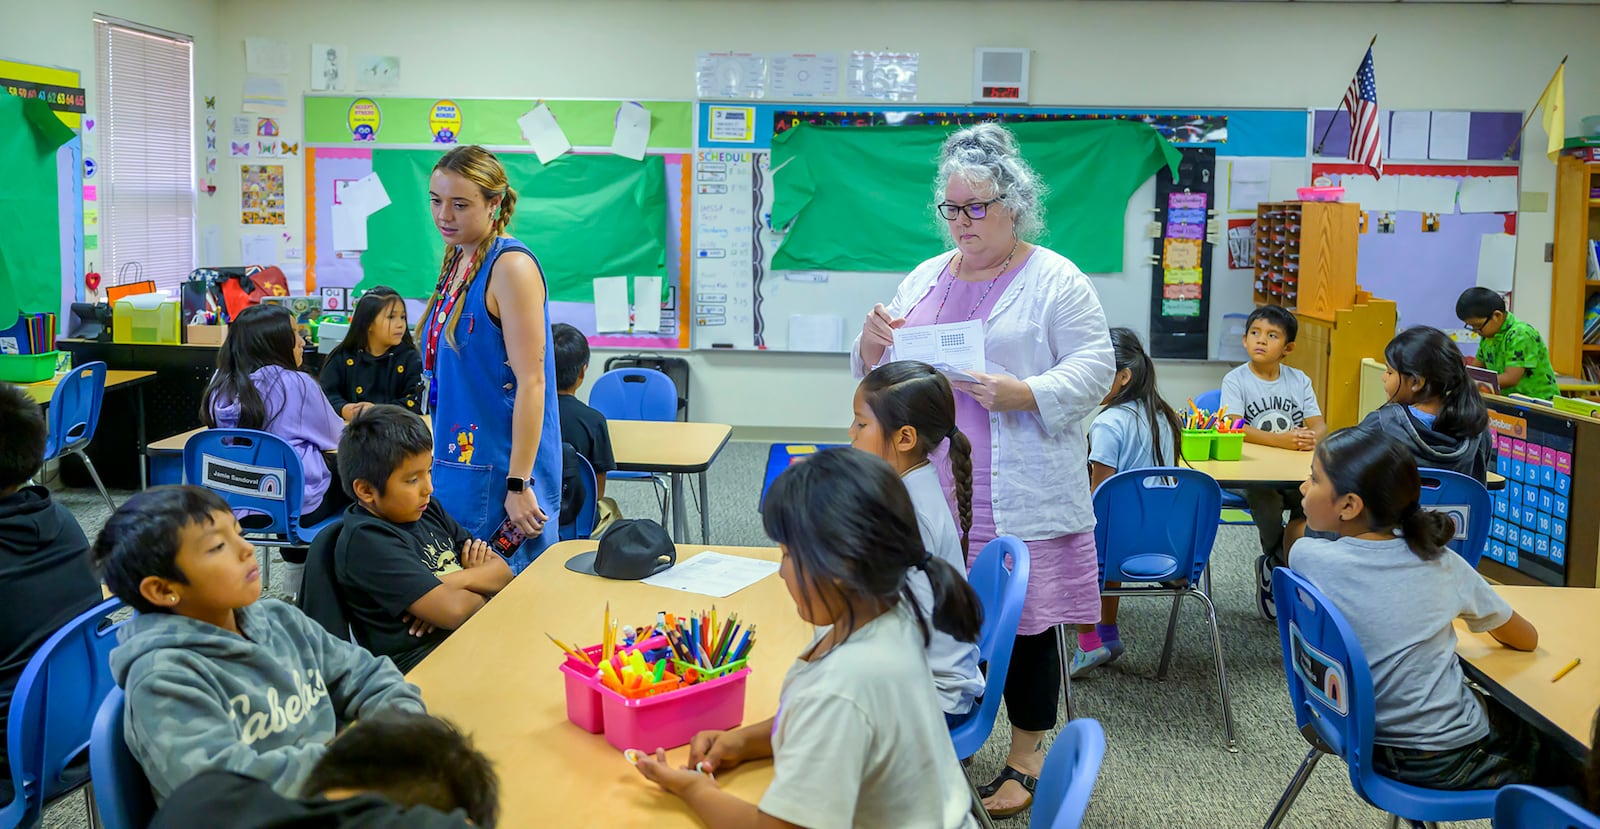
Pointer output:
1191, 54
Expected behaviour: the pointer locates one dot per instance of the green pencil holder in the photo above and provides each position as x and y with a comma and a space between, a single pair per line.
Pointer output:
679, 667
1228, 446
1197, 443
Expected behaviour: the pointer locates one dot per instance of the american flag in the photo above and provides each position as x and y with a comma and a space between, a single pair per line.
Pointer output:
1361, 99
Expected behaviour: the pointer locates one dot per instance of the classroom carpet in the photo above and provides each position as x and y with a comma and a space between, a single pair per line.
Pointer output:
1165, 764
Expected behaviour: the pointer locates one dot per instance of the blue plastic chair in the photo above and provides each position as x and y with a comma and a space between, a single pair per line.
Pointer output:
1530, 807
781, 456
121, 790
1154, 531
582, 525
1209, 401
1070, 771
255, 472
1001, 590
1320, 652
1458, 495
637, 394
55, 702
73, 415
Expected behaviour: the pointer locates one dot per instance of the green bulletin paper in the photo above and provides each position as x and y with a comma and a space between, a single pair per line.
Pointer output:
30, 232
861, 198
583, 216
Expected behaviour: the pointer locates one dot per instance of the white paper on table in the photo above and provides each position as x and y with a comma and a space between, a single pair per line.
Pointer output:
611, 303
264, 93
951, 346
540, 129
1286, 178
349, 226
1427, 194
1489, 194
816, 333
632, 135
258, 248
1447, 136
1375, 195
1408, 134
1497, 261
265, 56
647, 303
210, 246
713, 574
1248, 183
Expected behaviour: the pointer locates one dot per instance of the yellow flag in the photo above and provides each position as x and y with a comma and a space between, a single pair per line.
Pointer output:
1554, 104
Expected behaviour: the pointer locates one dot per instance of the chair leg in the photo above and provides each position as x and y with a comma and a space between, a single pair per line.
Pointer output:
1394, 822
1223, 690
664, 497
1064, 647
1206, 575
95, 474
982, 814
1172, 632
1296, 783
88, 803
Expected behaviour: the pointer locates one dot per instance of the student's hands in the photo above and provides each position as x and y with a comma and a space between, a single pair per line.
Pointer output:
1303, 440
1472, 361
877, 333
523, 510
477, 553
419, 628
716, 750
676, 781
998, 393
350, 410
490, 575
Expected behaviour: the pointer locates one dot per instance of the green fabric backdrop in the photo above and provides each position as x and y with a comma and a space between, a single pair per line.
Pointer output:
30, 202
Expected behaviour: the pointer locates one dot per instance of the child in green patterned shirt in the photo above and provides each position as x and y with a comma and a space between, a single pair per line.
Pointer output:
1509, 347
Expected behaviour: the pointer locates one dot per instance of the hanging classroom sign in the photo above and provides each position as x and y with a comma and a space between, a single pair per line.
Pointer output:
417, 122
58, 88
362, 120
444, 121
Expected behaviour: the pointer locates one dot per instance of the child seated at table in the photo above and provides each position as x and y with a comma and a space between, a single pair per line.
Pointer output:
401, 770
859, 739
582, 426
216, 677
1279, 409
376, 362
407, 572
1509, 347
1391, 576
1433, 408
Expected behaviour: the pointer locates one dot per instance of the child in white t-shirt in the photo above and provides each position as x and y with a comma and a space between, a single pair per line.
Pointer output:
858, 739
1391, 576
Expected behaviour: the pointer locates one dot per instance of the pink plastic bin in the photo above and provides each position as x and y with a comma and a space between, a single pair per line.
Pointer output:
672, 719
583, 695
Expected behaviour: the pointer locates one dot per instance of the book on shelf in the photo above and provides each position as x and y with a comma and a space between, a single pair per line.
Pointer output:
1594, 260
1591, 320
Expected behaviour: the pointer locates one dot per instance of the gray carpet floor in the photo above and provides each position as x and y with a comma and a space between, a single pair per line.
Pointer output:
1165, 764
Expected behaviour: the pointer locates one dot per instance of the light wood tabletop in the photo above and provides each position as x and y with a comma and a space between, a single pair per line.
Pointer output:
497, 679
1567, 618
42, 391
666, 446
1260, 465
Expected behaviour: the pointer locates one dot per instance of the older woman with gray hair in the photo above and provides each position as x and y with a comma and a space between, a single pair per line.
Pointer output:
1049, 365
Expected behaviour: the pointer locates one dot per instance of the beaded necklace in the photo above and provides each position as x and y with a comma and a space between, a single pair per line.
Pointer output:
956, 274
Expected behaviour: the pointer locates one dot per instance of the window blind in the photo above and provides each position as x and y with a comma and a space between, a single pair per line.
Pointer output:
146, 184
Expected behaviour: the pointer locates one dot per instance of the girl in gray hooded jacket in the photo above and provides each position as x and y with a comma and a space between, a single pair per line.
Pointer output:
1434, 409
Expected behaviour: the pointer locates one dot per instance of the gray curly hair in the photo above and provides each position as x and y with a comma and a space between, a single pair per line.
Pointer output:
986, 157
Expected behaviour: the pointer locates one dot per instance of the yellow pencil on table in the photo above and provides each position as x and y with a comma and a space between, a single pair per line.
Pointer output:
571, 651
1567, 670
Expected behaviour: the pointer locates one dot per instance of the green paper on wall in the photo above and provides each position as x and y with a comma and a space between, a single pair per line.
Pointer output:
583, 216
91, 242
861, 198
30, 232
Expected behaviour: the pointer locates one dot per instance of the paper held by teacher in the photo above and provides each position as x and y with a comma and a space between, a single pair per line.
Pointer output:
954, 348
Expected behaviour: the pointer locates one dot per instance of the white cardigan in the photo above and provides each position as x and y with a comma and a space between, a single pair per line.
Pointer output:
1048, 329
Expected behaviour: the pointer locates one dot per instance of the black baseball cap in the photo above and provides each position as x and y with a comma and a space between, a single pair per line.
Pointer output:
631, 549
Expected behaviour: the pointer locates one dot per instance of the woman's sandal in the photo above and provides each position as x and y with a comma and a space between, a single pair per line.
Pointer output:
1028, 784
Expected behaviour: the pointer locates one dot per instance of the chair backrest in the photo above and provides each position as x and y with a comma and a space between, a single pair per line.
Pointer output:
1465, 500
1530, 807
121, 791
635, 394
252, 470
1330, 684
1155, 524
319, 593
55, 702
1070, 772
1211, 401
75, 408
583, 523
781, 456
1001, 589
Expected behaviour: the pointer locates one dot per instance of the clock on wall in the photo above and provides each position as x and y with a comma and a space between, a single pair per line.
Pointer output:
1000, 76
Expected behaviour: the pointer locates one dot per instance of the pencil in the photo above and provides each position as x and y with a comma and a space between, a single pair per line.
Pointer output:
571, 650
1567, 670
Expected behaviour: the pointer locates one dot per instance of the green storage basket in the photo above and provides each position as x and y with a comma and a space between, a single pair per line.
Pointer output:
1228, 446
1197, 443
27, 368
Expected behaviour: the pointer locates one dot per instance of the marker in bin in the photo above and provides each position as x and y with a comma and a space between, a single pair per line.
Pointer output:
638, 661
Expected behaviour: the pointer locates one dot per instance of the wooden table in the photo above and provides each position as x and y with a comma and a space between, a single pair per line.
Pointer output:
42, 392
1567, 619
496, 678
1269, 466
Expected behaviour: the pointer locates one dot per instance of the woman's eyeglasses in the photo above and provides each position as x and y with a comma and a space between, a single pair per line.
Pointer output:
974, 211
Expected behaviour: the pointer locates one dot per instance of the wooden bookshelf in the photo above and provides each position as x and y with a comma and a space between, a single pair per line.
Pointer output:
1306, 256
1577, 222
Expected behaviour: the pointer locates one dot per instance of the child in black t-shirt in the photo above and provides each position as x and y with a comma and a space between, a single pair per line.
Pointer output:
377, 362
581, 425
407, 573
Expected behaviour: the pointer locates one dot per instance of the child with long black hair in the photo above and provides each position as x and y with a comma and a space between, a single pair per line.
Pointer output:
1434, 408
259, 385
377, 362
1391, 576
858, 739
903, 412
1135, 430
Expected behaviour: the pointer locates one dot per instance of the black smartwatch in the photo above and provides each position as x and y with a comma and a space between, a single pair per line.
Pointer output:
515, 484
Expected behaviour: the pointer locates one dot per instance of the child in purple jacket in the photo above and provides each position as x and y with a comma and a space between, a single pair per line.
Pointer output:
258, 385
